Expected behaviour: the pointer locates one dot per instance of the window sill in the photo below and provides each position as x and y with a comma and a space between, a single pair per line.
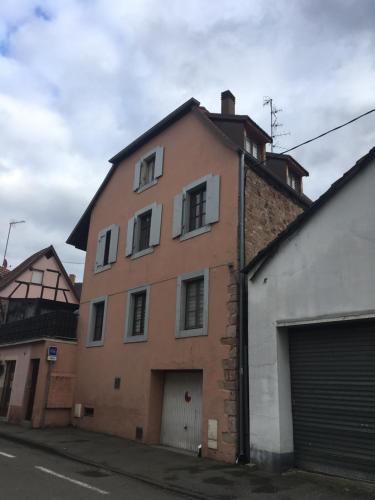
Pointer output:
197, 332
98, 343
104, 268
146, 251
147, 186
135, 339
196, 232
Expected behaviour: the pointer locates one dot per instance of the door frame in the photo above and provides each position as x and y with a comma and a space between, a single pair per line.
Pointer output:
6, 393
32, 384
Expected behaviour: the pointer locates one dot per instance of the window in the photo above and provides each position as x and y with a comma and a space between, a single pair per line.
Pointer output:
137, 314
192, 304
139, 311
37, 277
196, 208
98, 321
106, 250
251, 147
97, 318
148, 169
144, 231
292, 180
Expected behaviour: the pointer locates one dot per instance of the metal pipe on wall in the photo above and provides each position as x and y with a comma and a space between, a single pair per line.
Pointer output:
243, 406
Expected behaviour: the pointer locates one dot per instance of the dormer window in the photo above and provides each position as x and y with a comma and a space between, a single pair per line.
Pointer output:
251, 147
292, 180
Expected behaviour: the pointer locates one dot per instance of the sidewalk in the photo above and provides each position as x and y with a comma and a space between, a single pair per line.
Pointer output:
184, 474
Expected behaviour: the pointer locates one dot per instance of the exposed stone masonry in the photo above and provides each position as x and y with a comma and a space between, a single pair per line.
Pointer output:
267, 213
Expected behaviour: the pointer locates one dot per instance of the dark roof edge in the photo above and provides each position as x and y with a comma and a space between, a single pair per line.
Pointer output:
157, 128
281, 156
267, 252
73, 238
243, 118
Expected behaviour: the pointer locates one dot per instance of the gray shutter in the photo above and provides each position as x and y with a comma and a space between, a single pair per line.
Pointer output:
159, 154
130, 237
100, 250
113, 244
137, 175
177, 215
213, 199
155, 225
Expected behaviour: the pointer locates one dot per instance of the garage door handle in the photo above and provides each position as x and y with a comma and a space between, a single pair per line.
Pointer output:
185, 427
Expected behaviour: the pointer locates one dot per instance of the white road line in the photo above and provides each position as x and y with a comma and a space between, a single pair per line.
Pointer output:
6, 455
74, 481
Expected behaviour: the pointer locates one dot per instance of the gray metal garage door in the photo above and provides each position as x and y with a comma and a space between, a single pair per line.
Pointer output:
182, 410
333, 398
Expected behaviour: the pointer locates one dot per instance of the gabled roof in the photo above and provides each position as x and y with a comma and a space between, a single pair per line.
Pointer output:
45, 252
78, 236
270, 250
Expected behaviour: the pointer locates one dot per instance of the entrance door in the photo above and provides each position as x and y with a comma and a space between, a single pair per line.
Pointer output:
7, 388
182, 410
32, 388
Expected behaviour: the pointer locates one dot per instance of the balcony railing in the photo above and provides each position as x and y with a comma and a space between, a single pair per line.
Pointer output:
57, 325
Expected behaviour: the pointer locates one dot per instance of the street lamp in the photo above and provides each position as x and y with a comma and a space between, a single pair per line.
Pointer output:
11, 224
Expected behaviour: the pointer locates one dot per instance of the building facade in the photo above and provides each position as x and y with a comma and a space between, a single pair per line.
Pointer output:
158, 333
311, 335
38, 304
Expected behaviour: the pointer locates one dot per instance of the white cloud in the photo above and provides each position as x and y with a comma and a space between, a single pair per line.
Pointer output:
79, 79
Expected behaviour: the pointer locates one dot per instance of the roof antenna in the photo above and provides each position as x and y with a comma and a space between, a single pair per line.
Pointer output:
11, 224
268, 101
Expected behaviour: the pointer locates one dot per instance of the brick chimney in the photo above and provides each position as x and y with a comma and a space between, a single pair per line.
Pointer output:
227, 103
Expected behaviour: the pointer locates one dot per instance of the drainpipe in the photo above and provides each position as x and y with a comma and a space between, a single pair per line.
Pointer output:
243, 404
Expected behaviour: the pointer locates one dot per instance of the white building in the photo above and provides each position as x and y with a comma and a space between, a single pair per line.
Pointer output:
311, 334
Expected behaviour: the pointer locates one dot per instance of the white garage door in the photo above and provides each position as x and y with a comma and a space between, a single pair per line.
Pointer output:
182, 410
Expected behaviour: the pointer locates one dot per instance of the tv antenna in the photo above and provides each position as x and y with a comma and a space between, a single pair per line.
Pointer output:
11, 224
268, 101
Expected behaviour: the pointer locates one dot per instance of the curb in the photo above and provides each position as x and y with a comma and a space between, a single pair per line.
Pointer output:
104, 466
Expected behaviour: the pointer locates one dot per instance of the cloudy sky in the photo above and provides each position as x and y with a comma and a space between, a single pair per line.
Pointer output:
79, 79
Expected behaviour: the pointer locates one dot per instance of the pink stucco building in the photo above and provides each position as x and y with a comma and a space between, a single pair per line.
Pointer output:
161, 334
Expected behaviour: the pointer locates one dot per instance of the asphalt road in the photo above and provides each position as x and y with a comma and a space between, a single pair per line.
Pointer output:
30, 474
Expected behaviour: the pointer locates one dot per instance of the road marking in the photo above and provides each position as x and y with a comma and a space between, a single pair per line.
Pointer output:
6, 455
74, 481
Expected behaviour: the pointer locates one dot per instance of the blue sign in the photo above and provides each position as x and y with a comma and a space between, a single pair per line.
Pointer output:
52, 353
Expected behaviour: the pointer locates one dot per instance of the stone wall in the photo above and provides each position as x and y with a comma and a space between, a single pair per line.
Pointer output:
230, 367
267, 212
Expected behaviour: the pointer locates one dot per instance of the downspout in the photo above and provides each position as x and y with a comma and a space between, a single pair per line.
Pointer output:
243, 404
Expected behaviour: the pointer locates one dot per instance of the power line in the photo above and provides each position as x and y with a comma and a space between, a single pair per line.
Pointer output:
328, 131
71, 262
